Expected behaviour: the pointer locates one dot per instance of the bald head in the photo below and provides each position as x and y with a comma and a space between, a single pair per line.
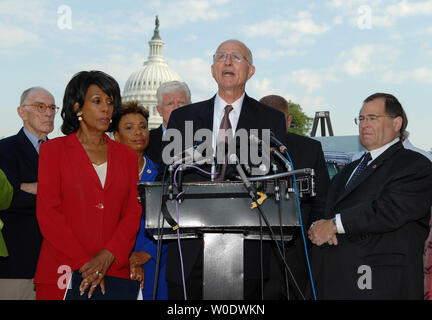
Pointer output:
32, 91
279, 103
247, 50
38, 121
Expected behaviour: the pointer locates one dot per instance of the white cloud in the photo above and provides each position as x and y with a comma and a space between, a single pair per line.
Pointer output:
337, 20
422, 75
312, 79
268, 54
119, 66
405, 8
180, 12
288, 31
310, 105
382, 13
197, 74
13, 36
367, 58
30, 12
358, 60
261, 87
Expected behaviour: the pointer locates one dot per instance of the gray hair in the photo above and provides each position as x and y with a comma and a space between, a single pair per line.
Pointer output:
171, 87
27, 91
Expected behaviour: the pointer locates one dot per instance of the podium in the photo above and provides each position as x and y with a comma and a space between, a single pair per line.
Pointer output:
221, 214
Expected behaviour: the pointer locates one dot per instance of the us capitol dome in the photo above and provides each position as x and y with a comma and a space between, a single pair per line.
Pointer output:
143, 83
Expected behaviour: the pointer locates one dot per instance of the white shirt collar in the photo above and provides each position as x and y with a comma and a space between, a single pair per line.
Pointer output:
219, 110
377, 152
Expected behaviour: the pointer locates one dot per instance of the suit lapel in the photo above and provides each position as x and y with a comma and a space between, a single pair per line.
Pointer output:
28, 152
206, 115
248, 115
80, 160
111, 162
374, 165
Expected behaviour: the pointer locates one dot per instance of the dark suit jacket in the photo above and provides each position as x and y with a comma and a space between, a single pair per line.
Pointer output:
385, 214
253, 115
19, 161
154, 148
307, 153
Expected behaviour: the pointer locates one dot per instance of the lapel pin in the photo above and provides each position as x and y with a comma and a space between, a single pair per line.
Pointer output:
374, 166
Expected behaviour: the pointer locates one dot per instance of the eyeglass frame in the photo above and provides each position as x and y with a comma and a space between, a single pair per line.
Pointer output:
230, 55
371, 117
52, 107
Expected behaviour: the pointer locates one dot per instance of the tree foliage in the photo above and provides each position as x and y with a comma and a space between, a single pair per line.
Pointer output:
301, 123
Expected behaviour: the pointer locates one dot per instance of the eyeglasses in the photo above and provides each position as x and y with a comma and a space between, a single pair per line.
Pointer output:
235, 57
370, 117
42, 107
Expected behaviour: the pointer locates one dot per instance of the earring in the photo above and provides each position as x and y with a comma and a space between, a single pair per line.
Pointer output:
79, 114
110, 120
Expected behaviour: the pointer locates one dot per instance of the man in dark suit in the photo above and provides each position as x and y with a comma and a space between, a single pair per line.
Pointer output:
304, 153
170, 96
370, 244
19, 160
232, 68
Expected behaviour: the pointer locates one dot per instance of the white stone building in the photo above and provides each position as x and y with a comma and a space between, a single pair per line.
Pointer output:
143, 83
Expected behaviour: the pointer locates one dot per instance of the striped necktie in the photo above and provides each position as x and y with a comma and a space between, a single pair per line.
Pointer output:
360, 169
223, 139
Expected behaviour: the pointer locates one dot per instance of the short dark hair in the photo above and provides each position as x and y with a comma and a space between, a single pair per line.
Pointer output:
76, 91
126, 108
392, 108
276, 102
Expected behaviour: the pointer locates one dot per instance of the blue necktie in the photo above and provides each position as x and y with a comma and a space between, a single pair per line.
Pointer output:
360, 169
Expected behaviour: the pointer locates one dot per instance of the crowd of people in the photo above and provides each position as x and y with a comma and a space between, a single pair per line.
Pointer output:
69, 205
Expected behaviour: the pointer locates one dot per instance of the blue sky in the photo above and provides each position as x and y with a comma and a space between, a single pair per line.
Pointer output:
324, 55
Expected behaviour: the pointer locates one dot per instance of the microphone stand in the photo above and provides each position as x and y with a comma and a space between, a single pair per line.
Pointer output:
252, 193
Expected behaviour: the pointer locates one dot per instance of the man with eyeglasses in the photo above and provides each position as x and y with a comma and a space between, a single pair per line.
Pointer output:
231, 108
371, 243
19, 160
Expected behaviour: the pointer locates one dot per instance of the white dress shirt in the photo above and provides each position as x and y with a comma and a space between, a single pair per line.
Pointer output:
219, 111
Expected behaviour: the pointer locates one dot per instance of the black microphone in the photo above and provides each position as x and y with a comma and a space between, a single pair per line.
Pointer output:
249, 186
275, 141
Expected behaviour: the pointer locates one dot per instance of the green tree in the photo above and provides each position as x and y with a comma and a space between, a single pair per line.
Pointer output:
301, 123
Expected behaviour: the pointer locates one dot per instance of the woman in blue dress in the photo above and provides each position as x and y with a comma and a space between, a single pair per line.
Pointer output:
130, 128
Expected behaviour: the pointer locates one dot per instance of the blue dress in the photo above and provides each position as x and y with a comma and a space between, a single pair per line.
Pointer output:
145, 242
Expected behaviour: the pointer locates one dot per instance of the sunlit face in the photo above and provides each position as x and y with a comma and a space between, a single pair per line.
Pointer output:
380, 131
231, 75
39, 124
133, 131
97, 109
170, 102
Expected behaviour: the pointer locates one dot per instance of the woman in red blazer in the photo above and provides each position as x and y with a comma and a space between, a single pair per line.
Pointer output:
87, 205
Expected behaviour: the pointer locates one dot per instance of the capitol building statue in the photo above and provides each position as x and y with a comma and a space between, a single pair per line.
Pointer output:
143, 83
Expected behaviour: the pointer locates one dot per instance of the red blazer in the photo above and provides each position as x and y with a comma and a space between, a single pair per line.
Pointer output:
78, 217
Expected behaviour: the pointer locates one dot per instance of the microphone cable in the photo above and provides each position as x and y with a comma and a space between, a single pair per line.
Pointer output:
159, 240
252, 194
302, 228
